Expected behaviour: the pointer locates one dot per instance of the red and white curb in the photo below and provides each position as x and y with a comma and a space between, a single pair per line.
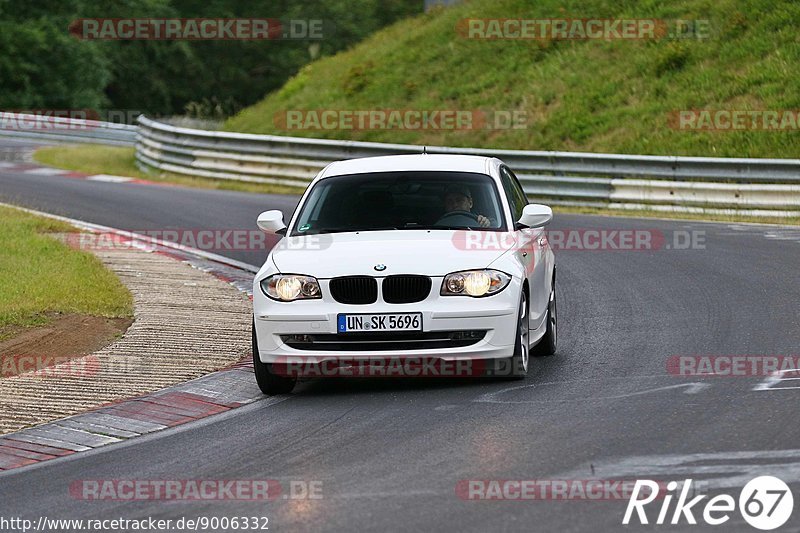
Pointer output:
206, 396
209, 395
29, 167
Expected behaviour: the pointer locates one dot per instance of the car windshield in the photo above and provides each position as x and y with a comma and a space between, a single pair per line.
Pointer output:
401, 200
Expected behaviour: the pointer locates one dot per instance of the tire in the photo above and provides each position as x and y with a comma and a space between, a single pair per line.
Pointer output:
547, 344
518, 363
269, 382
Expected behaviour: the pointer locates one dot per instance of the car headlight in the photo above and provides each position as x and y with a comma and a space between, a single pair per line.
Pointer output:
474, 283
290, 287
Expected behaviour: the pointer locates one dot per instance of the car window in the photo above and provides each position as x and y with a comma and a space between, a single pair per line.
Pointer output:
517, 199
401, 200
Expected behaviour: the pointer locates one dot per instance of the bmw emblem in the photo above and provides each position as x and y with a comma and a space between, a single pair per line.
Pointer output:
380, 267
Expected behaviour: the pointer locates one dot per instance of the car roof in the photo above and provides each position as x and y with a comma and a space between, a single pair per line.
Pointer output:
415, 162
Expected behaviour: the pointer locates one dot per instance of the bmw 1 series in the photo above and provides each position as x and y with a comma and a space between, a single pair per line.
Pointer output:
406, 258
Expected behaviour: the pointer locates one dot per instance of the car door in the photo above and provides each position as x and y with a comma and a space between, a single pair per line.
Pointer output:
529, 250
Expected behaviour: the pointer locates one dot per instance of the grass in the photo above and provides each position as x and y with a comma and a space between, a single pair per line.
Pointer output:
120, 161
593, 95
40, 276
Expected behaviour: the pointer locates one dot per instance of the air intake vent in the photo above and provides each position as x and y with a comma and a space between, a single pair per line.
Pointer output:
359, 290
406, 289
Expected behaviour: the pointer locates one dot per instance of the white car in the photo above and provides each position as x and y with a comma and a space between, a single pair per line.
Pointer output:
406, 259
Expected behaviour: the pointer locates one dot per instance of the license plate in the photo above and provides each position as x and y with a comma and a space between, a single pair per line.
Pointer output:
381, 322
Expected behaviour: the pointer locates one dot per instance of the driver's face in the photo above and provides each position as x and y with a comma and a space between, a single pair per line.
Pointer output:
457, 202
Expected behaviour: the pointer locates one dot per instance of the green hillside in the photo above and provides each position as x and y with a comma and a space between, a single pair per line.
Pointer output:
579, 95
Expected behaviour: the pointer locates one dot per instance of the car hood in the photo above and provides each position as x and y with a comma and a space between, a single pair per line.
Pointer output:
432, 253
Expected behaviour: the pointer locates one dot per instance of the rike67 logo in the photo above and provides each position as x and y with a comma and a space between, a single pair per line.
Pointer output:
765, 503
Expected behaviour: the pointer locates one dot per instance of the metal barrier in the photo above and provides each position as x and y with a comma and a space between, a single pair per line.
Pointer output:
703, 184
61, 129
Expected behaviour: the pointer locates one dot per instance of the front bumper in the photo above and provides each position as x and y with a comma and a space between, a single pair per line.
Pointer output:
494, 315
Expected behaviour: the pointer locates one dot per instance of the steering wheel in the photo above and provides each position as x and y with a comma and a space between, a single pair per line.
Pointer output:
455, 214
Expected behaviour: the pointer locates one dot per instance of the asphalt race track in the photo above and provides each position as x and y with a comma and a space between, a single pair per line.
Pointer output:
390, 453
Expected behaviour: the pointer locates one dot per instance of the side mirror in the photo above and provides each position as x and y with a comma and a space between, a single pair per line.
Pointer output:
535, 216
271, 221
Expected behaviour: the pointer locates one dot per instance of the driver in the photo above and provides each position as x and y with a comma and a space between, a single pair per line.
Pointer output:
457, 200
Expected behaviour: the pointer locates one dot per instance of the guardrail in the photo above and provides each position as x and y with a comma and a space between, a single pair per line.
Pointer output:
62, 129
703, 184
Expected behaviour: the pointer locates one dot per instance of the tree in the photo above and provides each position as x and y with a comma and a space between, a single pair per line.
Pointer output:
43, 66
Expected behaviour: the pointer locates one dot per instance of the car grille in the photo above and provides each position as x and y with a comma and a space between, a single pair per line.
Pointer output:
359, 290
406, 289
385, 340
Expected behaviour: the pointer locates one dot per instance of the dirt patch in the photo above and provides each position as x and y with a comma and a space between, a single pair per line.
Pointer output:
66, 336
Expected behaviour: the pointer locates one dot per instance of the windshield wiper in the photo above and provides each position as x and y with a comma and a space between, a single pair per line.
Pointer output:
326, 230
347, 230
442, 227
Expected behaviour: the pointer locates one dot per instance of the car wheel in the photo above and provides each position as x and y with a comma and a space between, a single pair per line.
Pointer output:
269, 382
547, 344
519, 361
